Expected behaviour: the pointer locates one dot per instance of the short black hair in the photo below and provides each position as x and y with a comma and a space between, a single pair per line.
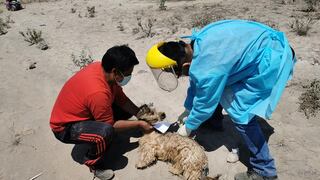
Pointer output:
175, 51
120, 57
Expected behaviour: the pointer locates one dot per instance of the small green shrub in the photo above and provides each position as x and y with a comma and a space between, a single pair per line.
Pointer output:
82, 60
33, 36
162, 5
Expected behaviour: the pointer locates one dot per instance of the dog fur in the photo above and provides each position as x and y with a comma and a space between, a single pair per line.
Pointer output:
150, 115
187, 156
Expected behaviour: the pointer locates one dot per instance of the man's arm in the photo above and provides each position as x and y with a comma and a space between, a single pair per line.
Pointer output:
100, 106
123, 125
130, 107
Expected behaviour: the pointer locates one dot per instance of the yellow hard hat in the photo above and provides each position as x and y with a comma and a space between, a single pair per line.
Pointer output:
155, 59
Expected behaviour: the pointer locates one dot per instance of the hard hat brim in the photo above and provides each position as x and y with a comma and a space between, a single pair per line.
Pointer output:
155, 59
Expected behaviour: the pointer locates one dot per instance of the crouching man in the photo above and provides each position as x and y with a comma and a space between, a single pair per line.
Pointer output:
92, 106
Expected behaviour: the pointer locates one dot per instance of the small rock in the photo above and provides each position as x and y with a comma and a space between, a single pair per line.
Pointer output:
33, 65
42, 45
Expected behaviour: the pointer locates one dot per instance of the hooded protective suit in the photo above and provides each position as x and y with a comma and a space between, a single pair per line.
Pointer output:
241, 64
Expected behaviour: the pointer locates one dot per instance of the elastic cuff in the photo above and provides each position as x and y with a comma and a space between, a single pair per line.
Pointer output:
189, 126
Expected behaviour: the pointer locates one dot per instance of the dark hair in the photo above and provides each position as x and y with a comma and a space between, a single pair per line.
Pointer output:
175, 51
120, 57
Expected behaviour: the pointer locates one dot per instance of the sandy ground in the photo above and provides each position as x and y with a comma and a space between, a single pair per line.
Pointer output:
27, 146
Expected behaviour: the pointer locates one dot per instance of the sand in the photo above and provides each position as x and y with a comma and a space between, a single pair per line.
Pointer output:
27, 145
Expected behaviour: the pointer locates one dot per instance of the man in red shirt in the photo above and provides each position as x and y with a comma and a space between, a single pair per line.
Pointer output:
92, 106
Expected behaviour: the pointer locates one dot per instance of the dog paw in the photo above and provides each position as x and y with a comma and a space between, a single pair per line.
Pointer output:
175, 170
141, 165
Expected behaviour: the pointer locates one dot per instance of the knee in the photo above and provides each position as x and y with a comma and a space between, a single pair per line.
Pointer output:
107, 132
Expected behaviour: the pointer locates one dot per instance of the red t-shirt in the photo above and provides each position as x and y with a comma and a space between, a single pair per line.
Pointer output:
86, 96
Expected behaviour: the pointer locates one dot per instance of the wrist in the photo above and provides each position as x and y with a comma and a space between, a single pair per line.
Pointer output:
184, 131
140, 123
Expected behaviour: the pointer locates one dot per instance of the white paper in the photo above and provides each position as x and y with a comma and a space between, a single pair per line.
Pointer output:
162, 126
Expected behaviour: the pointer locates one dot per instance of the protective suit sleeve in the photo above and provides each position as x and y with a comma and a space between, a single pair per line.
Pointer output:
206, 99
190, 96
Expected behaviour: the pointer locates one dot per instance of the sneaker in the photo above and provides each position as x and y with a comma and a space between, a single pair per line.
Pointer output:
104, 174
252, 175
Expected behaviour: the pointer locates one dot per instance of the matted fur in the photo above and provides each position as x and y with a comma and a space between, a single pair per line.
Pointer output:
187, 156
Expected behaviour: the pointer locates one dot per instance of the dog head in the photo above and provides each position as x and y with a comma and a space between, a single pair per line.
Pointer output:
151, 115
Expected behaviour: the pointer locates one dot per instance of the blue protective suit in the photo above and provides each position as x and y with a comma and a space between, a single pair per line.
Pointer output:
241, 64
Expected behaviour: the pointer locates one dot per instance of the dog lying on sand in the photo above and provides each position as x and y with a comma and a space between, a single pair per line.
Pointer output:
186, 155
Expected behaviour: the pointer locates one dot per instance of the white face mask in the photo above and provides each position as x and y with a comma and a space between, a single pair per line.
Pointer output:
125, 80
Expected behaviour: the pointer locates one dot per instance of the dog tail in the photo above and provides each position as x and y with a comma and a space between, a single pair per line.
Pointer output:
213, 178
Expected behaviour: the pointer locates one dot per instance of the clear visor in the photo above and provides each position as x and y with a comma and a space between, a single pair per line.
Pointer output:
166, 78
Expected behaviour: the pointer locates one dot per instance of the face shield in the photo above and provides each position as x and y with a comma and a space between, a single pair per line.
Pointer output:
162, 68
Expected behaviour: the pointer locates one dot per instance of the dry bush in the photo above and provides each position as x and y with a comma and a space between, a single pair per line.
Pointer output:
312, 5
120, 26
162, 5
9, 20
287, 1
201, 20
146, 28
3, 27
269, 23
209, 14
33, 36
301, 25
91, 12
73, 10
32, 1
17, 137
310, 99
82, 60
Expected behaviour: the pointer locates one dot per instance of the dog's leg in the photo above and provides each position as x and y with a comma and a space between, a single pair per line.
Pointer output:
146, 157
176, 169
190, 175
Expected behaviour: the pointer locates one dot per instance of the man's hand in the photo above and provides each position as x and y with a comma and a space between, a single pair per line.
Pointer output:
146, 127
184, 131
183, 116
